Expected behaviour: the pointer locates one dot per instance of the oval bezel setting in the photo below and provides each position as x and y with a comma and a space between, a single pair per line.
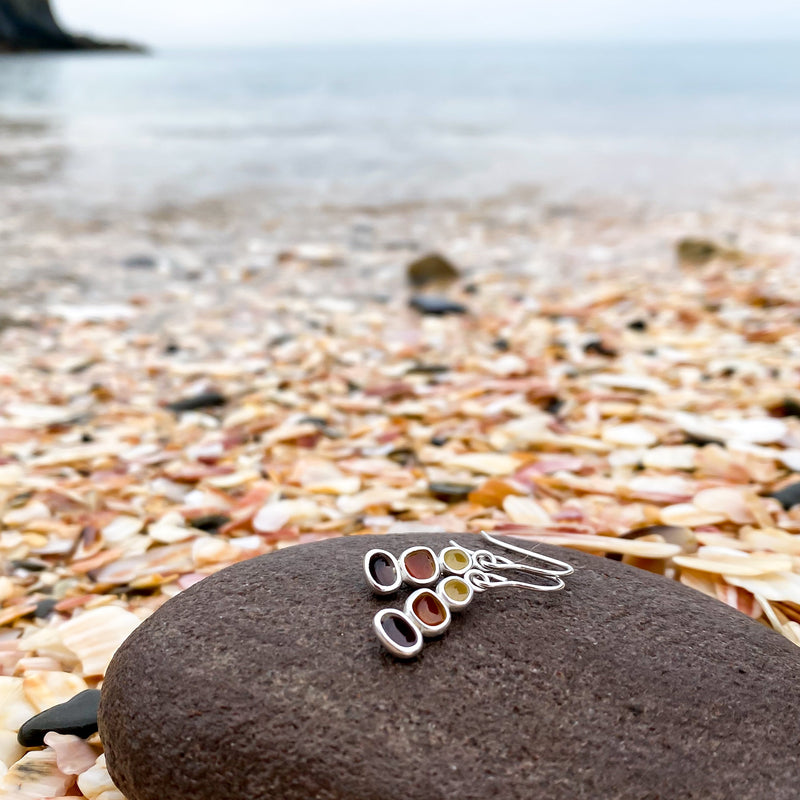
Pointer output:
375, 584
455, 605
410, 579
394, 647
427, 629
455, 570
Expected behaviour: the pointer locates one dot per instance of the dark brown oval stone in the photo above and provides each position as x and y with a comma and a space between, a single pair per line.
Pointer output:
266, 680
430, 609
420, 564
382, 570
400, 630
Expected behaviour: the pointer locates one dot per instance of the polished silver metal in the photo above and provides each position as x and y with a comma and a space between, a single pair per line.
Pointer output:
455, 605
451, 570
427, 630
377, 587
487, 560
417, 582
393, 647
481, 581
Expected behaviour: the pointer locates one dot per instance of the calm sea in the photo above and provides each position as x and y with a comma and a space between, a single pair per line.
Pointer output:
382, 124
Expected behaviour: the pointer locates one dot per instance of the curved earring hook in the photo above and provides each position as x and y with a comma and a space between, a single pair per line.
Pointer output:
564, 568
489, 560
481, 581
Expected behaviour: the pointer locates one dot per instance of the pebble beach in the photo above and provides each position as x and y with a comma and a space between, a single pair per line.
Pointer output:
177, 395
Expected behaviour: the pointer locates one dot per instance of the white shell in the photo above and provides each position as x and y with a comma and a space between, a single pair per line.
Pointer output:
95, 635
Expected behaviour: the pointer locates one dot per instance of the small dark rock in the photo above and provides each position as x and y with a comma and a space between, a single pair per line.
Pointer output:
427, 369
450, 492
698, 252
471, 288
317, 422
501, 345
786, 408
29, 564
209, 399
638, 325
171, 349
599, 348
554, 405
44, 608
789, 496
280, 339
436, 306
439, 441
77, 716
405, 456
210, 523
140, 262
429, 269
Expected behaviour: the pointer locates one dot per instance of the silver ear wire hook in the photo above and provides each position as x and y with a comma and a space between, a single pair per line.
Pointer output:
563, 568
481, 581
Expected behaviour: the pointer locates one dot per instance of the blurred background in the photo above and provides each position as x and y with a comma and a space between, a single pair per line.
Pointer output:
331, 102
220, 122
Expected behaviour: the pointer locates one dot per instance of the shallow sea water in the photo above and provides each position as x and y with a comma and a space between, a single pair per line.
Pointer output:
379, 125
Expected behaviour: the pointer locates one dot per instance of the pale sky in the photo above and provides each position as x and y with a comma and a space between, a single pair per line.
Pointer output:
253, 22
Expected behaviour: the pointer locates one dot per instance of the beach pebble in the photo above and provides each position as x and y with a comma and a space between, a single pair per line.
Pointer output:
436, 306
450, 492
77, 716
208, 399
283, 690
789, 496
432, 268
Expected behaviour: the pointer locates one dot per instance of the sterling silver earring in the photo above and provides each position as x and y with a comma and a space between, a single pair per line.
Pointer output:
427, 612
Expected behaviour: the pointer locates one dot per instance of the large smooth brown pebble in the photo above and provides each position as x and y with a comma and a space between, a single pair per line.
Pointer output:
266, 681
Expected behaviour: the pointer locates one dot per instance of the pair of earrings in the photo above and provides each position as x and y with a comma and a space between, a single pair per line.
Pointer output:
444, 583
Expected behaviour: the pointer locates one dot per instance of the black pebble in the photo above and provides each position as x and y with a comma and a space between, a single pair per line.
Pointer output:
786, 408
597, 347
77, 716
503, 345
427, 369
208, 399
45, 607
450, 492
637, 325
210, 523
788, 496
140, 262
439, 441
28, 564
436, 306
171, 349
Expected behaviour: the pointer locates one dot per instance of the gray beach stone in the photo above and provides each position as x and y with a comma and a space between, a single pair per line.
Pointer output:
266, 681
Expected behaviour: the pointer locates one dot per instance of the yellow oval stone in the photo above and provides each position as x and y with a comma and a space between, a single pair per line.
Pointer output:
456, 590
456, 559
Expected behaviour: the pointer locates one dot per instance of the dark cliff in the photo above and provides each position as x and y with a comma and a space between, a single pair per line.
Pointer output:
27, 25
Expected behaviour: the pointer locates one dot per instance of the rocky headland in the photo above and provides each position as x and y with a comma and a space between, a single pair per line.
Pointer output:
31, 25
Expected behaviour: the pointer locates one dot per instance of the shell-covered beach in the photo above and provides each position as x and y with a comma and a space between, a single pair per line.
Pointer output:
597, 382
